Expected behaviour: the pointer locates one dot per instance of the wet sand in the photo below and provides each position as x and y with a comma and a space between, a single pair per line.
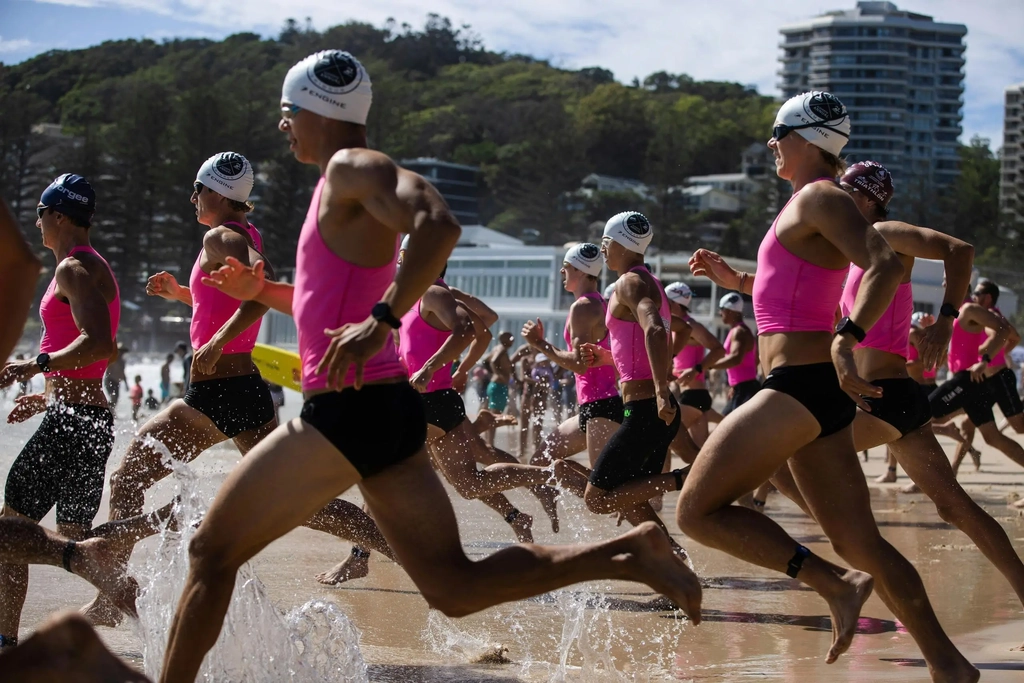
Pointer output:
757, 625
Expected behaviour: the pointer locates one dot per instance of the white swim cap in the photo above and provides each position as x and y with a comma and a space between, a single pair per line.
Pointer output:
679, 292
332, 84
608, 291
229, 174
819, 117
631, 229
732, 302
405, 242
586, 257
541, 358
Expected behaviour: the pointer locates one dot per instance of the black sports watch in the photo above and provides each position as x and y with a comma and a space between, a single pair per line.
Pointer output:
382, 312
699, 368
985, 357
950, 310
43, 361
847, 326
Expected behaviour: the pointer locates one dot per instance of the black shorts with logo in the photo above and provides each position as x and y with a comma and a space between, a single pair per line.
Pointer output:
960, 392
638, 448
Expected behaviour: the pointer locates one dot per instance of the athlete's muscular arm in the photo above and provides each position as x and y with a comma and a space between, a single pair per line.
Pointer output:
19, 270
519, 354
89, 310
681, 332
584, 316
440, 303
742, 344
957, 257
246, 283
833, 214
998, 329
406, 203
486, 314
710, 342
482, 338
219, 244
712, 266
636, 295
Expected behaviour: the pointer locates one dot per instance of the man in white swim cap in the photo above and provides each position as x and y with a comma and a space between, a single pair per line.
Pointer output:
818, 118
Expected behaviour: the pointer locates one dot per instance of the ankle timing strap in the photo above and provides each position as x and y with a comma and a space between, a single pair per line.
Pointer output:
69, 550
8, 641
512, 516
678, 474
797, 562
359, 552
759, 503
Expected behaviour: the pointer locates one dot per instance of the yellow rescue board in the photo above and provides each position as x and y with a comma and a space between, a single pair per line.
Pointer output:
278, 366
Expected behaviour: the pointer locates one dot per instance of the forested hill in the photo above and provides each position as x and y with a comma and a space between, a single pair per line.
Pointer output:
144, 115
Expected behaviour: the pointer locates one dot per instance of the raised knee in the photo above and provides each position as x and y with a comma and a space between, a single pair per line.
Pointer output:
690, 516
210, 558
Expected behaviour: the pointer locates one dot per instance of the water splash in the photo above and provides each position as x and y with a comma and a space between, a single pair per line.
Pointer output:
315, 642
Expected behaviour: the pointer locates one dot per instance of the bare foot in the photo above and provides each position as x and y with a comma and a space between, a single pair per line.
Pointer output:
1018, 504
505, 420
102, 612
887, 478
522, 525
961, 671
654, 562
95, 561
548, 498
845, 611
353, 567
910, 488
976, 457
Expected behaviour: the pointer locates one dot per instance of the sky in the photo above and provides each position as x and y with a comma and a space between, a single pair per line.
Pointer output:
731, 40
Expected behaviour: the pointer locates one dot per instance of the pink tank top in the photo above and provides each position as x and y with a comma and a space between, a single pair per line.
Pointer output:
892, 331
747, 369
59, 328
913, 355
211, 308
963, 348
791, 294
330, 292
629, 351
419, 341
599, 382
688, 357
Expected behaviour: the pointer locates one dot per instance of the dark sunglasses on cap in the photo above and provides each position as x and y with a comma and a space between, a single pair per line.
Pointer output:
288, 111
40, 210
781, 130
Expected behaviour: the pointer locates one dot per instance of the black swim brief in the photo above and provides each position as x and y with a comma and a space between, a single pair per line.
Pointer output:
960, 392
741, 393
374, 428
816, 387
63, 464
903, 404
445, 409
609, 408
696, 398
638, 448
234, 404
1002, 389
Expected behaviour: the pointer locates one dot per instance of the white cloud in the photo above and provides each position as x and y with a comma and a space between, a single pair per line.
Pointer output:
735, 40
8, 45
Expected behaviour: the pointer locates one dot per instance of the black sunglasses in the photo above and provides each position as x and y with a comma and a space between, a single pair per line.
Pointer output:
781, 130
198, 187
40, 210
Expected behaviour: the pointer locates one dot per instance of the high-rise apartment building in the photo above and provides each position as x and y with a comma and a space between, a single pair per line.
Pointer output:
901, 76
1011, 179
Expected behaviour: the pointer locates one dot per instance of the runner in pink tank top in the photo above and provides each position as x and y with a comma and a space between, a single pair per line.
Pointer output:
903, 405
697, 350
226, 398
740, 362
812, 388
629, 471
63, 463
600, 406
369, 433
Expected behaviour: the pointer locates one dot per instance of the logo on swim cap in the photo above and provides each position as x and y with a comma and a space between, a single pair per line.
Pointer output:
638, 224
336, 72
825, 107
731, 302
230, 165
589, 251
